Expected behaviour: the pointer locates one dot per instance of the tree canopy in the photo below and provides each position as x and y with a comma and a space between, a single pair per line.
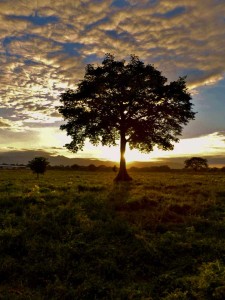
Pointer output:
196, 163
126, 101
38, 165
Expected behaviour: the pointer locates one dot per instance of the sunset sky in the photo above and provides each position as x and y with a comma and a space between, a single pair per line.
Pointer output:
45, 46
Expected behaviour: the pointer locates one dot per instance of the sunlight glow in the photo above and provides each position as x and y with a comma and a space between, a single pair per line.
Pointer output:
200, 146
53, 140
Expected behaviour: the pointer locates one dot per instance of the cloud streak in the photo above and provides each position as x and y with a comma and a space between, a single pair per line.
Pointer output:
44, 47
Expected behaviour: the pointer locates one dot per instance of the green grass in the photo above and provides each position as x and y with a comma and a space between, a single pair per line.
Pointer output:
77, 235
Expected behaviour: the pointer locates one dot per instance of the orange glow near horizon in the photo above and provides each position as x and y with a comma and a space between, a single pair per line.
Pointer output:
52, 140
212, 144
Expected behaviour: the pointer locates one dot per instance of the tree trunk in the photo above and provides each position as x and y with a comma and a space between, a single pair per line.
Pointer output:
122, 175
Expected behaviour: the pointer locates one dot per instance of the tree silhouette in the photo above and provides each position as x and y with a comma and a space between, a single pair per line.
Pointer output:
38, 165
114, 168
196, 163
127, 101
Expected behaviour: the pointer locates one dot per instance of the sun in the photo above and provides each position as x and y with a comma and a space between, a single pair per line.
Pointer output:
135, 155
113, 153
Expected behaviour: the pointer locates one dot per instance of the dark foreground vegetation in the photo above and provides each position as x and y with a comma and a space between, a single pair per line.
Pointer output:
75, 235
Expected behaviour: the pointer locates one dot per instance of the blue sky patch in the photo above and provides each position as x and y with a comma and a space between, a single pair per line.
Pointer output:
153, 2
90, 58
119, 3
95, 24
194, 73
36, 19
125, 36
72, 48
29, 62
173, 13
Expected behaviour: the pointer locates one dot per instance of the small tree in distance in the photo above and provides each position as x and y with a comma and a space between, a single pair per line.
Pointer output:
130, 102
38, 165
196, 163
114, 168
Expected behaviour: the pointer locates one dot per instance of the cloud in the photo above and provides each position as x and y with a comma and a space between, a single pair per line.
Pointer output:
10, 125
44, 47
17, 138
4, 123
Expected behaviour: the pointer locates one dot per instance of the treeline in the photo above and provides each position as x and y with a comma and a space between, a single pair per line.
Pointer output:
94, 168
12, 166
163, 168
90, 167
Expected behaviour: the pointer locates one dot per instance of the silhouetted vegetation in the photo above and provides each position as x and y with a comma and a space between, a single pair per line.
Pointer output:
152, 169
127, 101
114, 168
74, 235
38, 165
196, 163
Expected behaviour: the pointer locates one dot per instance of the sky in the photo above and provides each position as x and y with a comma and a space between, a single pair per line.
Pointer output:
45, 46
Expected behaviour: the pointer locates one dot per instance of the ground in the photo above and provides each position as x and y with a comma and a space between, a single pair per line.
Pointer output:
79, 235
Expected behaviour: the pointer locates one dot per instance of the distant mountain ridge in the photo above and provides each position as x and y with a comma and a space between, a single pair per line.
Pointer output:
22, 157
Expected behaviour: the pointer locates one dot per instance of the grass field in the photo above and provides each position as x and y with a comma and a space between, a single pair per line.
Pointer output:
77, 235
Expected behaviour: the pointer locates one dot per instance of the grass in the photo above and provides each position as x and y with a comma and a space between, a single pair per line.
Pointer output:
78, 235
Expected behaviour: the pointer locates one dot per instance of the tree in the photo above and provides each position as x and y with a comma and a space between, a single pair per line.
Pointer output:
38, 165
127, 101
196, 163
92, 168
114, 168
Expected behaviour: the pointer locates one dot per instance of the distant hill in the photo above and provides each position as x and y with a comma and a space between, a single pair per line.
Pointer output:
22, 157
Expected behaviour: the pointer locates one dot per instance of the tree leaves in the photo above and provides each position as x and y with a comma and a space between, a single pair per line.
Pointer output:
126, 98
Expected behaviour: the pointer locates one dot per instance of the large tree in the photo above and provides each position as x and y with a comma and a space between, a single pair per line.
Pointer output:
126, 101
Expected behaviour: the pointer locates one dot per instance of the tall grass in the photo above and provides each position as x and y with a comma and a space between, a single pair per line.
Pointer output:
77, 235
